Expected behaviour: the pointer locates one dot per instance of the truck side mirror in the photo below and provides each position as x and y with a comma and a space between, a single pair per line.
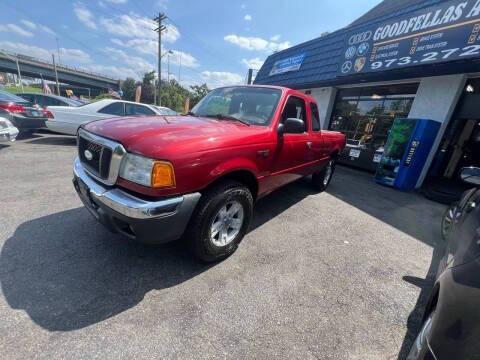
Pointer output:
471, 175
292, 126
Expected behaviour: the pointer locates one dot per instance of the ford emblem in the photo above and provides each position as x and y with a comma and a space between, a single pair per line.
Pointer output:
88, 155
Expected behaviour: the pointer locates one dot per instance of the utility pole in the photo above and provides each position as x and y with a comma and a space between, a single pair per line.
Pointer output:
19, 74
58, 50
168, 68
56, 74
161, 17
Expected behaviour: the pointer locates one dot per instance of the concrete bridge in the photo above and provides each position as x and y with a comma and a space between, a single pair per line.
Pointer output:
37, 68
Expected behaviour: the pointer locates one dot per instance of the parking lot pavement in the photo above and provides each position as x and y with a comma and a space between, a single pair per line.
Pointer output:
320, 276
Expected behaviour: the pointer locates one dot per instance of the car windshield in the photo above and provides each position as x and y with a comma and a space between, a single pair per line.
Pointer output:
251, 105
5, 96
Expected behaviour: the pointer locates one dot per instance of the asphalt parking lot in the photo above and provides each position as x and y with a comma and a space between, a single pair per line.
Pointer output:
339, 275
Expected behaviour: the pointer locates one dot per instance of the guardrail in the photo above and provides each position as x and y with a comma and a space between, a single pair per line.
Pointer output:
49, 64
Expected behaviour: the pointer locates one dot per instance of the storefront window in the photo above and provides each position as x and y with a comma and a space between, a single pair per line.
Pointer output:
366, 115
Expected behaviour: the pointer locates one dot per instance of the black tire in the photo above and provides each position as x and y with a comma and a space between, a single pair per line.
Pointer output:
198, 234
420, 349
322, 179
448, 220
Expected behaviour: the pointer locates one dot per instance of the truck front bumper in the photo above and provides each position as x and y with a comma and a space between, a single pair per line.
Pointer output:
147, 221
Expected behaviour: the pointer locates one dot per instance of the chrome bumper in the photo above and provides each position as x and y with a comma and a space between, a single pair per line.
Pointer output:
124, 203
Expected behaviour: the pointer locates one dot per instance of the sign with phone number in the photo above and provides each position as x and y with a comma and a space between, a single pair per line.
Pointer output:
447, 32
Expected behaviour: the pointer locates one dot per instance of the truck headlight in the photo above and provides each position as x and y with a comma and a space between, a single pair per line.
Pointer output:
147, 172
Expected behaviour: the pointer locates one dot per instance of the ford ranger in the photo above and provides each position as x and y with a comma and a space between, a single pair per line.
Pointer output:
161, 178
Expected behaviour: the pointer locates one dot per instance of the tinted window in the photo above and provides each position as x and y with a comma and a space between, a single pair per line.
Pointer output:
315, 117
134, 109
48, 101
28, 97
294, 108
113, 109
5, 96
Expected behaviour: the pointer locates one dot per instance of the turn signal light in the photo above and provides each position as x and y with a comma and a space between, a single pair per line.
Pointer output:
162, 174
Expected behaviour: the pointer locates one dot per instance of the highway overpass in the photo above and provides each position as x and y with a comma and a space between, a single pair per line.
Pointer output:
37, 68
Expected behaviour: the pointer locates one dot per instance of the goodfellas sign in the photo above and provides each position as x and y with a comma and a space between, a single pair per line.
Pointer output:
446, 32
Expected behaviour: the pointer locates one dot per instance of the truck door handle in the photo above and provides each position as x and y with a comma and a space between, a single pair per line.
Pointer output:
263, 153
309, 144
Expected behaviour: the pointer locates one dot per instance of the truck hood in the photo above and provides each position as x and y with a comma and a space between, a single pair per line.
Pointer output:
162, 136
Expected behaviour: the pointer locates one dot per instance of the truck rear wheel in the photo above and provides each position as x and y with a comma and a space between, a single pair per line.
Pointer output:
220, 221
322, 179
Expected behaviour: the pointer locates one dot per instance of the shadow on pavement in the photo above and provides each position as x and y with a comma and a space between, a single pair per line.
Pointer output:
67, 272
54, 140
408, 212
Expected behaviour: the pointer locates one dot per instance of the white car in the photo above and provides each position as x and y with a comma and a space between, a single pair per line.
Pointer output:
67, 119
8, 132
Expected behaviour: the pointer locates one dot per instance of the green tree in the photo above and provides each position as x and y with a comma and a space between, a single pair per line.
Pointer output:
148, 88
198, 92
128, 88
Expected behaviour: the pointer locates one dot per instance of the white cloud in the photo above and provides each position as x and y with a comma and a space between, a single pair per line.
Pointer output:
117, 72
84, 15
221, 78
256, 43
47, 29
247, 17
135, 26
75, 55
116, 1
162, 4
275, 37
138, 64
15, 29
254, 63
150, 47
29, 24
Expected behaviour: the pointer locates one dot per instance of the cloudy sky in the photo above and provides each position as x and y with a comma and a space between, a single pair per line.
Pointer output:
213, 41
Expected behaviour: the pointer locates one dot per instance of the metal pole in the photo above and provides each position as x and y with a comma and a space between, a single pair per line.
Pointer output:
160, 28
58, 51
19, 74
168, 68
56, 74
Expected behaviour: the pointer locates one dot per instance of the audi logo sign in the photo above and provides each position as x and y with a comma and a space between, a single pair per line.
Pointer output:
359, 38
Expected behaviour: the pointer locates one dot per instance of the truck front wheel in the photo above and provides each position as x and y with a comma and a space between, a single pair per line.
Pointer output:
322, 179
220, 221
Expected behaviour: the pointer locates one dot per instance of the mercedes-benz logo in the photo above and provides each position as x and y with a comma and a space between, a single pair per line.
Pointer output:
346, 67
88, 155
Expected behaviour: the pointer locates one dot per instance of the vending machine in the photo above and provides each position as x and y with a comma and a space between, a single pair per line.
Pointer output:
406, 151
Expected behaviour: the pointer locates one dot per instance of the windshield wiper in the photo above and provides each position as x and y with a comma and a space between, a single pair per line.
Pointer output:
191, 113
227, 117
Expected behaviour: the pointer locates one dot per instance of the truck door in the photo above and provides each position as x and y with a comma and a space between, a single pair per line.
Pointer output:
293, 151
319, 146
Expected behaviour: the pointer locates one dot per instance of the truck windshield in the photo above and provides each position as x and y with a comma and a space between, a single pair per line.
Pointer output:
251, 105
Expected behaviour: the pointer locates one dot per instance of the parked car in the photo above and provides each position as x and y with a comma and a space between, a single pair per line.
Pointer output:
23, 115
44, 100
67, 120
8, 132
197, 176
451, 324
166, 111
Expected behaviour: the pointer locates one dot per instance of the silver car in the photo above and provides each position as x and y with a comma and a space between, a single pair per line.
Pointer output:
8, 132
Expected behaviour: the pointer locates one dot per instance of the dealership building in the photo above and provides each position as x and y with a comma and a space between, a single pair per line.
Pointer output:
416, 59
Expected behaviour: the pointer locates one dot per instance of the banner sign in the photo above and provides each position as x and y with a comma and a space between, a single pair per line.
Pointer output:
445, 32
291, 64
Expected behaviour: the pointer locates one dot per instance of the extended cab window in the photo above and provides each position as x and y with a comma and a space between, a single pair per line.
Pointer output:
253, 105
134, 109
113, 109
295, 108
315, 117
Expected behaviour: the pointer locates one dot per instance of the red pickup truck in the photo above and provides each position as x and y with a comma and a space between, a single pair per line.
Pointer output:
162, 178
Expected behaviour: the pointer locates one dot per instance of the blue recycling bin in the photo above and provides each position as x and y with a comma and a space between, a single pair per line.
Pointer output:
406, 151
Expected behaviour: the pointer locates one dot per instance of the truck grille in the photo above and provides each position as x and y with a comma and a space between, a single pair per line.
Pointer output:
95, 157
